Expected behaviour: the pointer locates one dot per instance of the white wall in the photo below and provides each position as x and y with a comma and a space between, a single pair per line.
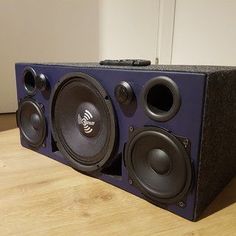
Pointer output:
204, 32
42, 31
128, 29
175, 31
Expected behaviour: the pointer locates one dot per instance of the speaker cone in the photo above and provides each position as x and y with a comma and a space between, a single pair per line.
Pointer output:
31, 122
83, 122
158, 164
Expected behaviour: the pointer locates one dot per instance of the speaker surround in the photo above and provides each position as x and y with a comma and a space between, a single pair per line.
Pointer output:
152, 130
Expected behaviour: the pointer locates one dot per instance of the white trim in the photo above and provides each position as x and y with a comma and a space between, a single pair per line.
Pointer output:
166, 21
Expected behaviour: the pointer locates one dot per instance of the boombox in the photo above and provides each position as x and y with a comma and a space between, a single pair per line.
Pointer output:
164, 133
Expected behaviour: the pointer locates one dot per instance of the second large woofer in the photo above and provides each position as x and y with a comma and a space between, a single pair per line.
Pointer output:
83, 120
158, 164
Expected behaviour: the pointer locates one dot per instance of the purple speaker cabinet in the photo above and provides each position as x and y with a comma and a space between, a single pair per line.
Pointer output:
201, 121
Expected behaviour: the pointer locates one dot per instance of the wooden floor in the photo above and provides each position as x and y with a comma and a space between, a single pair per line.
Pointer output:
39, 196
7, 121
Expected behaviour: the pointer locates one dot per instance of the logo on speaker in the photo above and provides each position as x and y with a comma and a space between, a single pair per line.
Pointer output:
86, 121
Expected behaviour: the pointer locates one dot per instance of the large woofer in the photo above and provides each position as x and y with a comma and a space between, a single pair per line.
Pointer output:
158, 164
84, 125
31, 121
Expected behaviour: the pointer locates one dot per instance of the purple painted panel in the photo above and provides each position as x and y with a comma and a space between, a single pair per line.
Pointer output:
186, 123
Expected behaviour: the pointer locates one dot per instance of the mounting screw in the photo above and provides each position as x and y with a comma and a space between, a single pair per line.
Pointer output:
44, 145
181, 204
130, 181
131, 128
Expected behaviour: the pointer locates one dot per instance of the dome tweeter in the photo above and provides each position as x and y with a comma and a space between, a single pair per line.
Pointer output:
161, 98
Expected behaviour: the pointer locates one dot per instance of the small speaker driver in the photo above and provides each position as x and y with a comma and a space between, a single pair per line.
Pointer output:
158, 164
32, 123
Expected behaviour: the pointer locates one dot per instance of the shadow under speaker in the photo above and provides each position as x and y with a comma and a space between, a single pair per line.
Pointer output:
163, 133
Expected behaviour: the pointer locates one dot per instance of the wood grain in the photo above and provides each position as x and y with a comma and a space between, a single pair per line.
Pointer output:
39, 196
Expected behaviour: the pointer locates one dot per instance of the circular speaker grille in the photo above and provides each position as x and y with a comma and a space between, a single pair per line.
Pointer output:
83, 122
158, 164
31, 122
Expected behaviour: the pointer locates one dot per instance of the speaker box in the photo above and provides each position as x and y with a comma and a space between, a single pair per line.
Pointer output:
163, 133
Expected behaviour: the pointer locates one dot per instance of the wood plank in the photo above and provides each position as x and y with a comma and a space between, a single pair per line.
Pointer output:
39, 196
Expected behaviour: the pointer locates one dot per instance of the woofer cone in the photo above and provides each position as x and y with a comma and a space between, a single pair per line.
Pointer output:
158, 165
161, 98
83, 121
32, 123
